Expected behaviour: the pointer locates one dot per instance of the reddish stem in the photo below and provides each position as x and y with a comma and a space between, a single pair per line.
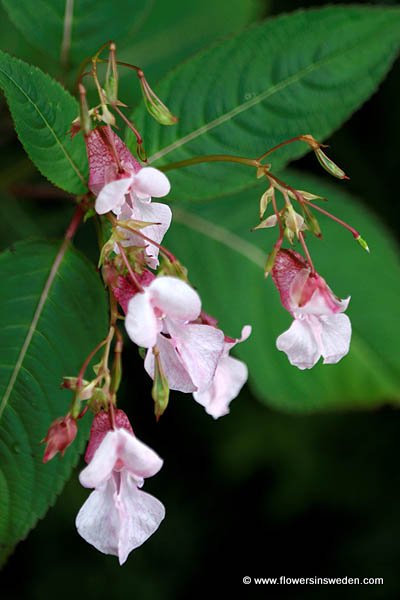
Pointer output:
74, 224
353, 231
130, 271
87, 361
298, 138
306, 251
131, 126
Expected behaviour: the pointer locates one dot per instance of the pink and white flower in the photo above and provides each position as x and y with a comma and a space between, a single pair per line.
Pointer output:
118, 517
230, 376
319, 328
163, 316
124, 187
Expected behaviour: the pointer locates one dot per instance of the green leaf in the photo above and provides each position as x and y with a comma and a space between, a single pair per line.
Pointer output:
300, 73
53, 312
75, 30
163, 42
226, 264
43, 111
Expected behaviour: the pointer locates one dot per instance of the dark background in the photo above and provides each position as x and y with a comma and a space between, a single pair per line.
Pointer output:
257, 493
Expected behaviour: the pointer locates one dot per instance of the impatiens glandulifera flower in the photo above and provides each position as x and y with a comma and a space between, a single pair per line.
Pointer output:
122, 287
162, 316
118, 517
124, 187
60, 435
319, 328
230, 376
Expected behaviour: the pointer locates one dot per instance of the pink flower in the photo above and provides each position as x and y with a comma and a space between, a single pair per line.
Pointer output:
124, 187
319, 328
118, 517
60, 435
162, 316
230, 376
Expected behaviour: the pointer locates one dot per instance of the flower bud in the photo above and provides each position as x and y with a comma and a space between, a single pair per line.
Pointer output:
362, 243
60, 435
312, 222
294, 222
111, 85
84, 121
271, 260
160, 390
155, 106
329, 166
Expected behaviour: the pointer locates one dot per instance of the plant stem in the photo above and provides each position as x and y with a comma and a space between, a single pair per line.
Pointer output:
353, 231
298, 138
128, 266
211, 158
306, 251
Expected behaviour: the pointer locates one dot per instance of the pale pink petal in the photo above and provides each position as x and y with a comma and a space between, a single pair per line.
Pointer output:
177, 376
102, 464
151, 182
157, 213
300, 342
112, 195
323, 302
229, 378
296, 288
140, 516
199, 348
136, 457
175, 372
245, 334
175, 298
141, 322
98, 521
335, 337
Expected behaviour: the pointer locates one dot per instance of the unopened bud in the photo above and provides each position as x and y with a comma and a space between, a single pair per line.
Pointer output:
155, 106
160, 390
60, 435
294, 222
312, 222
362, 243
329, 166
111, 85
84, 113
271, 260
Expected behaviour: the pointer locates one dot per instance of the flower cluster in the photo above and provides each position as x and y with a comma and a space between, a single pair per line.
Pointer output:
182, 346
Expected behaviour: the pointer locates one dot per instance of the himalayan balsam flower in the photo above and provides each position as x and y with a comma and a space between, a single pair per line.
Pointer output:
124, 187
118, 517
230, 376
163, 316
319, 328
